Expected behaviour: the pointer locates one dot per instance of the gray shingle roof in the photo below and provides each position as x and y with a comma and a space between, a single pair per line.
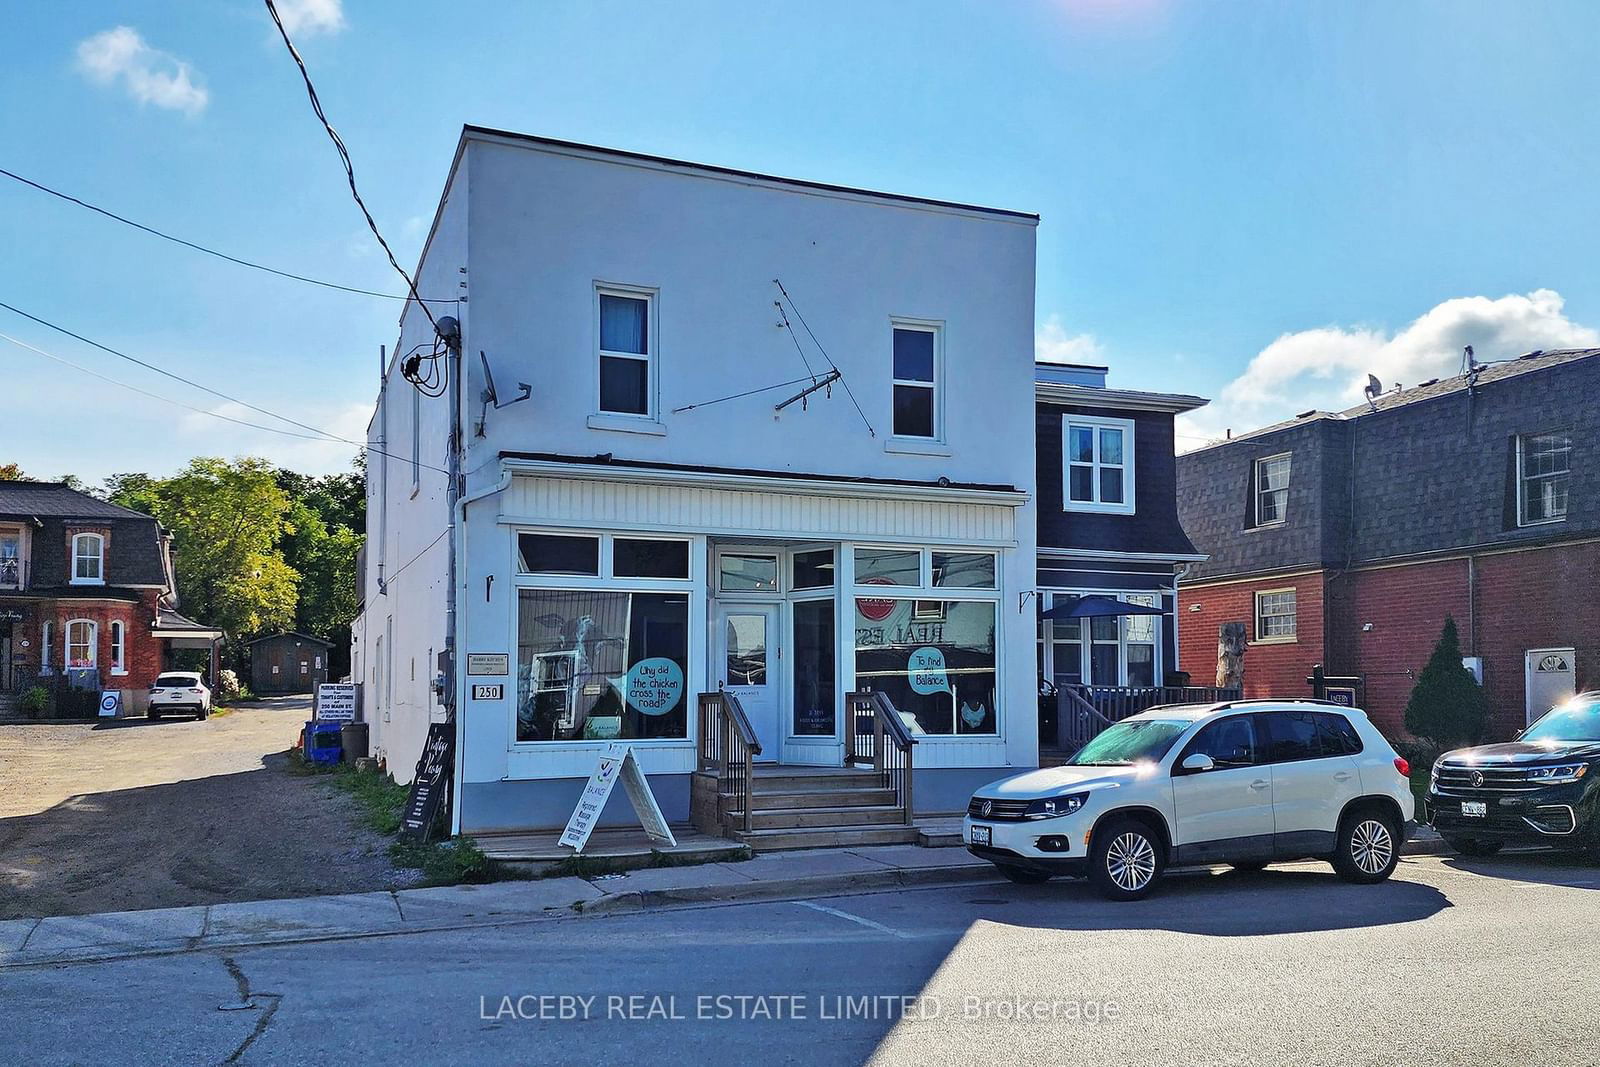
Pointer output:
54, 500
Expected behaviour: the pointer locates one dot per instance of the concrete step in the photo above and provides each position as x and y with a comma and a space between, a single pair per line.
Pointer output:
826, 837
826, 798
803, 818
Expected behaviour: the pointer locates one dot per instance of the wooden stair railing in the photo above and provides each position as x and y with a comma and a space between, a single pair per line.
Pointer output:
875, 734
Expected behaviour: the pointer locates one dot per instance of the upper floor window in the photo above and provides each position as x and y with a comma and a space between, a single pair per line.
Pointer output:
917, 358
1272, 490
1544, 467
1098, 461
88, 558
627, 353
10, 558
1275, 615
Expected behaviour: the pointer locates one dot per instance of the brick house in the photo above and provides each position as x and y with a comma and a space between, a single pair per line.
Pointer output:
87, 596
1347, 538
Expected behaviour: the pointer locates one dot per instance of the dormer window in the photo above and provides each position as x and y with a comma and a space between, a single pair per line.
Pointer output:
88, 559
1544, 470
1272, 490
1098, 464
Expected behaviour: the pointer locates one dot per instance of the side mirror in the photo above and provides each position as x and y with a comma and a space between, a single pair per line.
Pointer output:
1196, 762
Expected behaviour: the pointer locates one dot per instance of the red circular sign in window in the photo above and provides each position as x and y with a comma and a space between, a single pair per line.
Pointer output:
874, 608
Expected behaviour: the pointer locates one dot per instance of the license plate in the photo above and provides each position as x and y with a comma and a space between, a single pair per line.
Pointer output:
981, 835
1480, 808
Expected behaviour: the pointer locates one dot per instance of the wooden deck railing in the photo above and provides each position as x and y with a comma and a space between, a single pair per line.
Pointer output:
875, 735
728, 747
1082, 711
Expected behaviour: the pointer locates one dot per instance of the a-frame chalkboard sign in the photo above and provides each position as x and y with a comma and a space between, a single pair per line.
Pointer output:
431, 787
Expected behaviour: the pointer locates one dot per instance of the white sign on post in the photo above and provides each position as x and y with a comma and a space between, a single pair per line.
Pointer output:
616, 762
336, 702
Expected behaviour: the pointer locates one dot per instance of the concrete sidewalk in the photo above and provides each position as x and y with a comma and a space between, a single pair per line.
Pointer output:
770, 876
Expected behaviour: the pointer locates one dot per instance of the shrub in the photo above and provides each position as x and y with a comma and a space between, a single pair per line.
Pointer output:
228, 685
35, 702
1447, 706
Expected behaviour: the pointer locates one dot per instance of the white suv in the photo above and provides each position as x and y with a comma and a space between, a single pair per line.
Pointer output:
179, 691
1244, 783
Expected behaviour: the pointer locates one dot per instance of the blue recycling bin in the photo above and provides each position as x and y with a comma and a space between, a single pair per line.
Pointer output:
323, 744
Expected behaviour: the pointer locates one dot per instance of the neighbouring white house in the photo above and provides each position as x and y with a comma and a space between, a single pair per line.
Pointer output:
653, 526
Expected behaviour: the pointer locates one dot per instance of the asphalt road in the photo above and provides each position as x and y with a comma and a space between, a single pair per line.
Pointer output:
1451, 962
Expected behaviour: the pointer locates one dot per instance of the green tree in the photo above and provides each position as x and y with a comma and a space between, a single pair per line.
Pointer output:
136, 491
10, 472
1447, 706
226, 520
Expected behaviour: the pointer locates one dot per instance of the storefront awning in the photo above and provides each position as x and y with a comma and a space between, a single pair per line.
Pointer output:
1099, 607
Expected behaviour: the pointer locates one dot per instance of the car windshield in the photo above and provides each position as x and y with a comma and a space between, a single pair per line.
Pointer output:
1573, 721
1130, 742
177, 681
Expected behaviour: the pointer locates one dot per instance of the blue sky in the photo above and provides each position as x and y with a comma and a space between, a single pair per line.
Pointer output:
1257, 202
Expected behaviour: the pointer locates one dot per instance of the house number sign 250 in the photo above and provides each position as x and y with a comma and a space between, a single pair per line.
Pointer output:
488, 692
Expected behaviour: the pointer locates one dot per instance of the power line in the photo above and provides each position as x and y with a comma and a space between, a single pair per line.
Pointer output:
738, 396
319, 432
199, 247
842, 379
344, 157
155, 396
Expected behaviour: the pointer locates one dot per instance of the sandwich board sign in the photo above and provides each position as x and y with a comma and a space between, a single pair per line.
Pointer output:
616, 762
110, 703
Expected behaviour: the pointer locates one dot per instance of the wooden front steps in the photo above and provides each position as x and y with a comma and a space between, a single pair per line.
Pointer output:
819, 807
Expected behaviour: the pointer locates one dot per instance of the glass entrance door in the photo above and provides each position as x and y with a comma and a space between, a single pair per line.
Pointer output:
750, 661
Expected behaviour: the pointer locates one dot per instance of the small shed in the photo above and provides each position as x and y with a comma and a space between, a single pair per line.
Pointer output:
288, 662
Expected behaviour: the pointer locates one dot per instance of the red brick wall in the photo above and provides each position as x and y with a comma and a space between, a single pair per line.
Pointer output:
1406, 607
142, 655
1272, 668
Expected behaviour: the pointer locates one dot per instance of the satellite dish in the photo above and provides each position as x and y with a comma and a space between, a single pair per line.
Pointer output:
1374, 387
490, 399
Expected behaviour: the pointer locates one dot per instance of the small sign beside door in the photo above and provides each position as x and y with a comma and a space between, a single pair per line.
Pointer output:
488, 663
488, 692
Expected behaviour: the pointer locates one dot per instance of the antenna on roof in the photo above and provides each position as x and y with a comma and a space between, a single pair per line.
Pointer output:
1372, 390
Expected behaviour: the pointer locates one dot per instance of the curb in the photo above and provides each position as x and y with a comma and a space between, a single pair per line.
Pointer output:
634, 901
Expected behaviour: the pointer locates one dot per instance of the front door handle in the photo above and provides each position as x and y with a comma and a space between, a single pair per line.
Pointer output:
1259, 784
1342, 776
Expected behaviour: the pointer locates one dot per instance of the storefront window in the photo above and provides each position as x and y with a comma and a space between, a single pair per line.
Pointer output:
939, 674
558, 554
601, 665
963, 570
815, 651
747, 574
637, 558
813, 570
888, 566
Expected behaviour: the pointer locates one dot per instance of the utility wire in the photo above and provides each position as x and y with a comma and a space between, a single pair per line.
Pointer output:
320, 433
737, 396
391, 577
199, 247
349, 167
156, 396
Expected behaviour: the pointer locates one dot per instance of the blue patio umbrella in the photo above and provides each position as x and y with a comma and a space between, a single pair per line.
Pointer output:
1099, 607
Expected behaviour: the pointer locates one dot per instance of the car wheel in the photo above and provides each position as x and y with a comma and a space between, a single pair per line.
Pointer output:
1473, 846
1368, 848
1023, 875
1126, 859
1250, 866
201, 713
153, 715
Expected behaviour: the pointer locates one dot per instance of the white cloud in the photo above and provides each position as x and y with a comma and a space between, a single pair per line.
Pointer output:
1325, 368
306, 17
150, 76
1052, 344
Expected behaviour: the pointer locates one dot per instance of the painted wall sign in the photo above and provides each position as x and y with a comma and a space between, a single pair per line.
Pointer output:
430, 789
652, 686
616, 762
488, 692
927, 670
110, 703
10, 615
336, 702
488, 663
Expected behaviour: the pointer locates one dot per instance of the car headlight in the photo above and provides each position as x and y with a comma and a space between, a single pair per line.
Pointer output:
1054, 807
1557, 775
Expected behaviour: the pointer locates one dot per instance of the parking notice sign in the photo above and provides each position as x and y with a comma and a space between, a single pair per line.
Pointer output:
336, 702
110, 703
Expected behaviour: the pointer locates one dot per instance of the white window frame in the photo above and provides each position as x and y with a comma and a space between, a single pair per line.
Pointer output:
1283, 512
1127, 506
1523, 477
651, 357
94, 643
1259, 637
119, 647
100, 555
936, 387
1086, 642
47, 636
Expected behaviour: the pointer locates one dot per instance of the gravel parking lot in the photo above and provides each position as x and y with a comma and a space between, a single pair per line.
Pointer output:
137, 814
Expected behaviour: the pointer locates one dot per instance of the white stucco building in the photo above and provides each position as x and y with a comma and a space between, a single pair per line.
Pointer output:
630, 539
